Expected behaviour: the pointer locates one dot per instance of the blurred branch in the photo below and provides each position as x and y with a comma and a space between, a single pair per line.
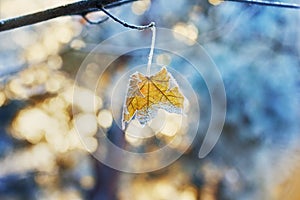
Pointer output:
268, 3
78, 8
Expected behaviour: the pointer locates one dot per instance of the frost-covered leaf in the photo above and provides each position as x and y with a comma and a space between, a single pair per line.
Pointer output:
146, 95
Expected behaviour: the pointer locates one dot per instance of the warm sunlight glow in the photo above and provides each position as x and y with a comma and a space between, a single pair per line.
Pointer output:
90, 143
32, 124
172, 124
215, 2
54, 62
86, 124
163, 59
187, 33
139, 7
77, 44
86, 101
2, 98
105, 118
135, 141
136, 130
87, 182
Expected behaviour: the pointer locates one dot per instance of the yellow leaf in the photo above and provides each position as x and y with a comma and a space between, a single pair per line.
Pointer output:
146, 95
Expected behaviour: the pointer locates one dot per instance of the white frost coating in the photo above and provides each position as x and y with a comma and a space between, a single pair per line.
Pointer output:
144, 116
147, 114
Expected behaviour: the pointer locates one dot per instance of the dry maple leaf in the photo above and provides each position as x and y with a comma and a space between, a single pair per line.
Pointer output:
146, 95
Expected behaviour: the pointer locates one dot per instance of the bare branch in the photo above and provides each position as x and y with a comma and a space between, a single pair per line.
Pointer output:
268, 3
78, 8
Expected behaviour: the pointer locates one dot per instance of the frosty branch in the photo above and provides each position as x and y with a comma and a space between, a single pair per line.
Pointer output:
81, 8
268, 3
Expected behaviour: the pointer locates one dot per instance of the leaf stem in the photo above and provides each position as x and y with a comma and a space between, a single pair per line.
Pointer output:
150, 58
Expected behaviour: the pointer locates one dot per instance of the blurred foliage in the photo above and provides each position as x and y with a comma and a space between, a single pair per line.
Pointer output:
257, 52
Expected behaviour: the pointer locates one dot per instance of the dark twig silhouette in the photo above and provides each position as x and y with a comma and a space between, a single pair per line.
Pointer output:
268, 3
80, 8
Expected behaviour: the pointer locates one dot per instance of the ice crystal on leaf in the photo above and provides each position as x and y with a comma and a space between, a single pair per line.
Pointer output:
147, 94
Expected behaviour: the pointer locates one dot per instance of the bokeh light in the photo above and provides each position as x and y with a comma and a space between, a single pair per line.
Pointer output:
187, 33
139, 7
105, 118
47, 136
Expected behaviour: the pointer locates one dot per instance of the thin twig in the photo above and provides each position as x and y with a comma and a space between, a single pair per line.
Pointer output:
268, 3
95, 22
126, 24
151, 25
77, 8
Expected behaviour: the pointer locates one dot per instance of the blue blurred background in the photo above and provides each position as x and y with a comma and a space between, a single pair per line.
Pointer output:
256, 50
